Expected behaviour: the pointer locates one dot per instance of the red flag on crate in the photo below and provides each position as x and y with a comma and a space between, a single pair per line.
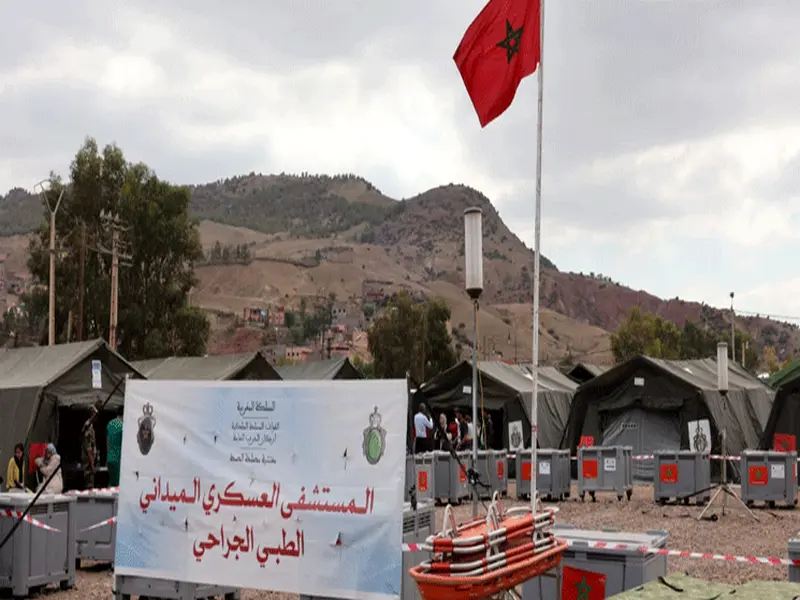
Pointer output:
582, 585
501, 469
586, 441
422, 481
34, 452
784, 442
757, 475
589, 468
526, 471
669, 473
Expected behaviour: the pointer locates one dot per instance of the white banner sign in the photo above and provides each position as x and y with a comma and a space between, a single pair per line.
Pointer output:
290, 486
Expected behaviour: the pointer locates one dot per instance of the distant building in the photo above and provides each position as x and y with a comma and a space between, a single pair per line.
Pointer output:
255, 315
298, 354
277, 316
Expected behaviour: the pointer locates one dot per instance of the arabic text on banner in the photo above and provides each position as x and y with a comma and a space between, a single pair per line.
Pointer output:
287, 486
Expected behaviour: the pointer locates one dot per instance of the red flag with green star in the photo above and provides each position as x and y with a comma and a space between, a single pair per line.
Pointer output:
500, 48
582, 585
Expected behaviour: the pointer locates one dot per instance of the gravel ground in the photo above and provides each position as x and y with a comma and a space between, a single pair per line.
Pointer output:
736, 534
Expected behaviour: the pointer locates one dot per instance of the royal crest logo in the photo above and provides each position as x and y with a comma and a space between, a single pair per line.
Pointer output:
146, 436
700, 440
516, 437
374, 439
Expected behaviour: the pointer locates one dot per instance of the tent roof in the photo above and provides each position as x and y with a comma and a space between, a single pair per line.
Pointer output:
700, 374
591, 369
207, 368
39, 366
333, 368
515, 377
786, 375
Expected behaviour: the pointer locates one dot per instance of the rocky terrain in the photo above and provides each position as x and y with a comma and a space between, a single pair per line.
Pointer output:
311, 236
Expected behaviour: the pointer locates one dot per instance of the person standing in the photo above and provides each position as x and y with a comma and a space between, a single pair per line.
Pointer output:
47, 465
422, 425
464, 439
440, 436
114, 453
89, 450
16, 470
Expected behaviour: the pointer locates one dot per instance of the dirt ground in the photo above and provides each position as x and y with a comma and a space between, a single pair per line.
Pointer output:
735, 533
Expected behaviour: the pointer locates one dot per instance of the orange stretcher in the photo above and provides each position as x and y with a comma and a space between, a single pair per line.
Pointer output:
488, 556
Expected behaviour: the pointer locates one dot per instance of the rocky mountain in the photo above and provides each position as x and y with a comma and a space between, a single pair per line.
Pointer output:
312, 233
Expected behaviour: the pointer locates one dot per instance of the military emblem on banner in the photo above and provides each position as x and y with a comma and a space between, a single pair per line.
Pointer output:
145, 436
669, 473
374, 444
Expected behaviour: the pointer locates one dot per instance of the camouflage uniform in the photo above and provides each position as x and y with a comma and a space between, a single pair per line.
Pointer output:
89, 449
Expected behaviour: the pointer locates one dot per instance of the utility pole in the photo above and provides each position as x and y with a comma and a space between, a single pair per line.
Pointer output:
112, 221
81, 283
43, 192
733, 332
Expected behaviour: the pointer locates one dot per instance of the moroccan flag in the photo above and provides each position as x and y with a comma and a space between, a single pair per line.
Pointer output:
669, 473
757, 475
582, 585
784, 442
500, 48
35, 451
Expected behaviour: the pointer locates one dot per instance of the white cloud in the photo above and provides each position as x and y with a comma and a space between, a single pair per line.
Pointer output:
670, 128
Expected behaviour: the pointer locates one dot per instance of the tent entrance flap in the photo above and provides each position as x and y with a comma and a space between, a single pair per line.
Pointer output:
646, 431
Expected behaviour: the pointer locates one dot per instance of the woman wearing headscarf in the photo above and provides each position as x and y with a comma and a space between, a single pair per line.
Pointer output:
15, 470
47, 465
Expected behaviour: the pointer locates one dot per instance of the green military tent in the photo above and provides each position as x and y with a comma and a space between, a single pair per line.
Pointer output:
44, 388
332, 368
783, 425
786, 374
226, 367
648, 403
583, 372
507, 388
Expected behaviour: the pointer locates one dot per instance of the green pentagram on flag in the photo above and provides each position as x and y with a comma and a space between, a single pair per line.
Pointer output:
511, 43
584, 589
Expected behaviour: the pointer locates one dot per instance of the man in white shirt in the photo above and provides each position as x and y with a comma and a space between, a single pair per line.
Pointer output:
422, 425
470, 429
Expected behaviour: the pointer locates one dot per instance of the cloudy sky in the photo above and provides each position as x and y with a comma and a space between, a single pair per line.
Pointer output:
672, 128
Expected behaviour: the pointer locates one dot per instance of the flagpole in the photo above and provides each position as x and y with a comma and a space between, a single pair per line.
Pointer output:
537, 234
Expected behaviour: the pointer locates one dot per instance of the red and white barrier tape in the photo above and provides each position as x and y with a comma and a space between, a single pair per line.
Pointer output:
652, 457
16, 514
110, 521
92, 491
753, 560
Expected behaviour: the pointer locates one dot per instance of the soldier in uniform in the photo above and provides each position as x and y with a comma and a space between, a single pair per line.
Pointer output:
89, 449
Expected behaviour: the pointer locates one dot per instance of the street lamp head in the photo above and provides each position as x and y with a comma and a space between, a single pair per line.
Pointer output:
731, 295
473, 251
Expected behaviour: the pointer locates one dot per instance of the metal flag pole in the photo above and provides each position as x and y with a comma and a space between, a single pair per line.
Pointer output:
537, 234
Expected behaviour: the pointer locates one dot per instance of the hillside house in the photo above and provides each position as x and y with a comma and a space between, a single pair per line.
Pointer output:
256, 316
276, 317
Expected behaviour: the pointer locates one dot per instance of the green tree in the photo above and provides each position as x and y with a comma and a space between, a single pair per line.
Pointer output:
154, 317
771, 360
644, 333
367, 368
411, 337
751, 359
697, 342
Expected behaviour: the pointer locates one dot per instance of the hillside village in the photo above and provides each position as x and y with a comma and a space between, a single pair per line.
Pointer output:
282, 248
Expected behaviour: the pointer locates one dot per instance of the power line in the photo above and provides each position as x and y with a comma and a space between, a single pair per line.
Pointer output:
750, 313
